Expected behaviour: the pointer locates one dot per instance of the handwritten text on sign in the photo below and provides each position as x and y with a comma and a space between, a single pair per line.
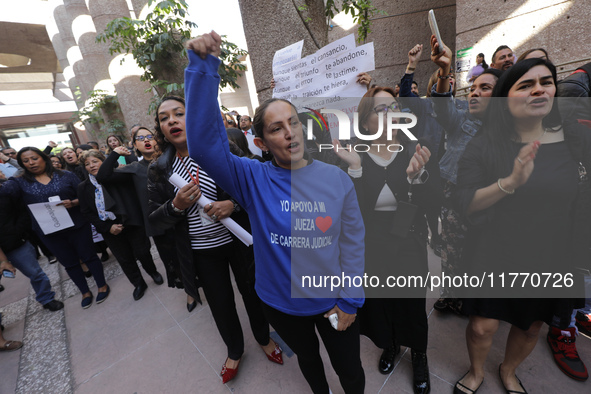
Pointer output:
51, 217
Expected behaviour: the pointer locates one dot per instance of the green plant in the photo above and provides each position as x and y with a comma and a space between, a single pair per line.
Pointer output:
157, 45
361, 10
102, 109
97, 100
304, 8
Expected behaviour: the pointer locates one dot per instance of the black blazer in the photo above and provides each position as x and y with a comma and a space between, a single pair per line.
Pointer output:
119, 199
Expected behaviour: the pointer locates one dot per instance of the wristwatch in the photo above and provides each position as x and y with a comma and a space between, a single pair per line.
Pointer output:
236, 206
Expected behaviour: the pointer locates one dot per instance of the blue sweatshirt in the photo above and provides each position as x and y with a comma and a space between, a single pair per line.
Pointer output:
302, 233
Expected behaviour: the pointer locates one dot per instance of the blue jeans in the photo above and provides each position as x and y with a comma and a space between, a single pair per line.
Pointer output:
25, 260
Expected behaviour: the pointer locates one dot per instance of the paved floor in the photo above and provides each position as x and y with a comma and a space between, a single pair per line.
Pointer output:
155, 346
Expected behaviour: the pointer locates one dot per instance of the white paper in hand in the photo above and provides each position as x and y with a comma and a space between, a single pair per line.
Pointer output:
230, 224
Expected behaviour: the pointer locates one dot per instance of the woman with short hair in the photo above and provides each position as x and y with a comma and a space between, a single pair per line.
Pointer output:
116, 214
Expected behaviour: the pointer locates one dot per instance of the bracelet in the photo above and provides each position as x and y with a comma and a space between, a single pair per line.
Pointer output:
177, 210
439, 75
410, 68
504, 190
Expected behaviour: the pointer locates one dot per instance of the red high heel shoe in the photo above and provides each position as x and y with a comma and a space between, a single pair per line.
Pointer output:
228, 374
276, 356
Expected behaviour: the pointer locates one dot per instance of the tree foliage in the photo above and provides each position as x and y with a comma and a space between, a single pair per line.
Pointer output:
361, 10
157, 45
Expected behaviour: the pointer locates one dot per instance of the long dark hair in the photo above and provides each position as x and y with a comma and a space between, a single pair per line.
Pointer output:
484, 64
109, 150
499, 124
49, 170
158, 135
238, 137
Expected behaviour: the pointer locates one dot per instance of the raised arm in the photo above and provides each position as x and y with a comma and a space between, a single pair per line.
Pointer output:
206, 135
107, 171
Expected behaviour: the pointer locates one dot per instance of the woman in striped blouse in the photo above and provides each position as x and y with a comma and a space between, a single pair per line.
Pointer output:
207, 249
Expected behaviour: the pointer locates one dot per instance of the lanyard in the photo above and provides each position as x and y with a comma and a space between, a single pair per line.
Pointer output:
195, 179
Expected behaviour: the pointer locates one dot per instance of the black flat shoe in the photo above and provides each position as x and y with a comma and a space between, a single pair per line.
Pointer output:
191, 306
157, 278
386, 363
104, 257
457, 389
421, 383
512, 391
54, 305
88, 274
139, 291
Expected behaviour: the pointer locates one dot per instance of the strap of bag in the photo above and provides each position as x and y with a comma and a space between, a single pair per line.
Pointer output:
412, 147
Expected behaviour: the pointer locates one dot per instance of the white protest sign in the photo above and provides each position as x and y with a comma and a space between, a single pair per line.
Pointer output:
288, 54
297, 78
51, 217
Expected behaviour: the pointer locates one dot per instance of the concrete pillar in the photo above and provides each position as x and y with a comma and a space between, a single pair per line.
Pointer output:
140, 8
405, 25
61, 51
131, 91
85, 35
393, 35
75, 72
269, 26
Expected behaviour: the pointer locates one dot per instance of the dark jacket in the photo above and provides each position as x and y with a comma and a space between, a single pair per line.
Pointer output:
137, 172
577, 87
119, 199
15, 224
161, 215
369, 186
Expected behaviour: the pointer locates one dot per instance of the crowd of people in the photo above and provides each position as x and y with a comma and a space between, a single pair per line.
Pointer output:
503, 174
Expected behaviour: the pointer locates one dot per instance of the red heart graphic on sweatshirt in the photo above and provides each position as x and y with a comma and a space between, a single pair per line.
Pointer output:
323, 223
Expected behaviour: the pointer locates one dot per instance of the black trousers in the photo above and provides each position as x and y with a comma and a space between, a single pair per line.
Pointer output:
166, 249
34, 239
213, 270
130, 245
299, 333
71, 246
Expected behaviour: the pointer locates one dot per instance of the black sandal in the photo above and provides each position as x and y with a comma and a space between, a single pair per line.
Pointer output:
457, 390
512, 391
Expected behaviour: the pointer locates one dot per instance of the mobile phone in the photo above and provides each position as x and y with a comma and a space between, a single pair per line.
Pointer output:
334, 320
7, 274
435, 29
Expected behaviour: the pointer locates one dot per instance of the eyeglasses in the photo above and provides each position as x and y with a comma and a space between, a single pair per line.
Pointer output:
144, 138
385, 108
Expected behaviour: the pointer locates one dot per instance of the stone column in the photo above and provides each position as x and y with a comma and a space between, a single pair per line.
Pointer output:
59, 29
269, 26
131, 91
